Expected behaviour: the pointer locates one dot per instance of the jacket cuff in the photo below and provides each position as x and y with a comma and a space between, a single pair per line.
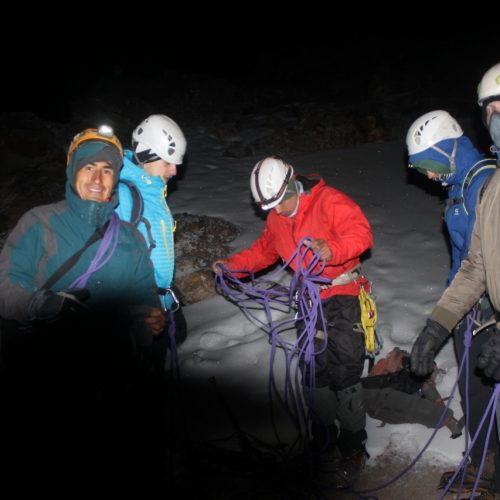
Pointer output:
445, 318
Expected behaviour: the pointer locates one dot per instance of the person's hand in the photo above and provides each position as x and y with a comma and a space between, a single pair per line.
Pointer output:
216, 265
321, 247
156, 320
489, 359
425, 347
46, 305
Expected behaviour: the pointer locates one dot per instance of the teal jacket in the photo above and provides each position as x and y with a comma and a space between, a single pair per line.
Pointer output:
156, 212
46, 236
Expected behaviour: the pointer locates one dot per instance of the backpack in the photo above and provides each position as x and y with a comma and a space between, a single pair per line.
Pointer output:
137, 213
480, 166
394, 395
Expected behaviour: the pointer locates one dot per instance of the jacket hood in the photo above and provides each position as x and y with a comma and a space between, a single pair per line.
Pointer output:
311, 184
309, 181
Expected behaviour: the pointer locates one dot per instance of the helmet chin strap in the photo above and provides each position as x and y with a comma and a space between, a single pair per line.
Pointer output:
300, 190
138, 162
451, 158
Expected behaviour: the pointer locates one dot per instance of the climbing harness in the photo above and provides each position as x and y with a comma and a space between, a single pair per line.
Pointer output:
344, 278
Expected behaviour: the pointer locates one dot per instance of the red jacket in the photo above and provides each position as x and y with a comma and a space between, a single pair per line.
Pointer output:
324, 213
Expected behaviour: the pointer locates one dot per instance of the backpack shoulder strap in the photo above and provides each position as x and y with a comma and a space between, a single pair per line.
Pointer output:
137, 202
137, 213
483, 188
478, 167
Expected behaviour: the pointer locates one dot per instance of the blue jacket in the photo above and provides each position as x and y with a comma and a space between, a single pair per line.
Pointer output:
156, 212
46, 236
472, 169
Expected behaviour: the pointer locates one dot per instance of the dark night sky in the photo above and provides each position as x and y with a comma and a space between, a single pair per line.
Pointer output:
55, 54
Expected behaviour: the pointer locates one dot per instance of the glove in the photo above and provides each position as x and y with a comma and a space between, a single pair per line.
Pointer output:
46, 305
489, 359
425, 347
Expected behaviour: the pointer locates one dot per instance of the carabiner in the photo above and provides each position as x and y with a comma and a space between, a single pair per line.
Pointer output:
176, 302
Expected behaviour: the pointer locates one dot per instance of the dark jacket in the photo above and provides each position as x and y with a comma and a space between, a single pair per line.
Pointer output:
47, 236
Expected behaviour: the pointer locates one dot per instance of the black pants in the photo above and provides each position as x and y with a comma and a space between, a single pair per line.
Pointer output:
480, 391
341, 365
338, 393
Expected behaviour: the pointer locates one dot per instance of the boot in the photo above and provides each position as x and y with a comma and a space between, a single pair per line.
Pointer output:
348, 468
479, 495
324, 437
466, 485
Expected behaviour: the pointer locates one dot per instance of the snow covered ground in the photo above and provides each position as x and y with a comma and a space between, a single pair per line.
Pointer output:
225, 359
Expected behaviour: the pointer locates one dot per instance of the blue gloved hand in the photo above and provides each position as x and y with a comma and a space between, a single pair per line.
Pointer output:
46, 305
425, 347
489, 359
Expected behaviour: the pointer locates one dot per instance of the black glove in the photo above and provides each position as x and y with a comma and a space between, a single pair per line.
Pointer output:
489, 359
425, 347
46, 305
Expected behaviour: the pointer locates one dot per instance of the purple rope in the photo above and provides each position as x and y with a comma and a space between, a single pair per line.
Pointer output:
104, 253
174, 362
304, 286
438, 426
492, 404
304, 291
467, 343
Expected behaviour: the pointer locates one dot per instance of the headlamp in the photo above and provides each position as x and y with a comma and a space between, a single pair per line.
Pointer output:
104, 133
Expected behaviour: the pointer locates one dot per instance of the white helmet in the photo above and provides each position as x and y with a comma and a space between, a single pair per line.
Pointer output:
430, 129
269, 180
489, 86
159, 137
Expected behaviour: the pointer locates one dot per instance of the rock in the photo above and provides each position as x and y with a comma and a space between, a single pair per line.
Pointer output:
197, 286
199, 240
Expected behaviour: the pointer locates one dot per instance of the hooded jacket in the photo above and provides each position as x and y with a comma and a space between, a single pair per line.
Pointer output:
323, 213
479, 271
471, 170
46, 236
156, 211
